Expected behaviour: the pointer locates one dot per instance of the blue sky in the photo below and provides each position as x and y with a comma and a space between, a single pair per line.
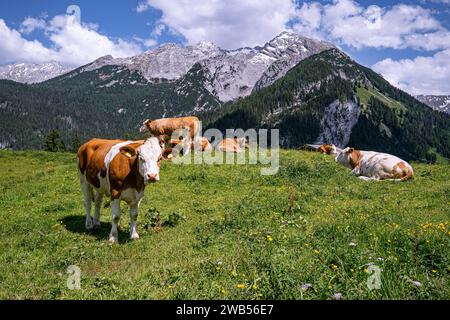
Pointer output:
406, 41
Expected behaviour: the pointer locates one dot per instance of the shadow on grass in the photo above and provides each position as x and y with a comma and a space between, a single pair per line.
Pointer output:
75, 224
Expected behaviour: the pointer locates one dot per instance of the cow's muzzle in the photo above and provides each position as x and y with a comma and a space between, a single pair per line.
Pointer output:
152, 178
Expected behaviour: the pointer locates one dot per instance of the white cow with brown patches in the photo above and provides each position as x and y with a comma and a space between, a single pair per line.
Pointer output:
120, 170
371, 165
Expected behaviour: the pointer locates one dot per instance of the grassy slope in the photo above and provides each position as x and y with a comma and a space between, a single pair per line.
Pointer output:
231, 210
365, 95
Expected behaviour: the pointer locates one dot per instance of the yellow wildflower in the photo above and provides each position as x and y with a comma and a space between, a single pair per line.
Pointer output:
269, 238
241, 286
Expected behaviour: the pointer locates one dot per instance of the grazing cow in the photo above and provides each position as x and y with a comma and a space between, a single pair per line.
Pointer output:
119, 169
166, 127
370, 165
236, 145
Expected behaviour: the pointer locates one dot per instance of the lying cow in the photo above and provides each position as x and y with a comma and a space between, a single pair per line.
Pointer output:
327, 149
323, 148
176, 146
167, 127
119, 169
202, 144
236, 145
370, 165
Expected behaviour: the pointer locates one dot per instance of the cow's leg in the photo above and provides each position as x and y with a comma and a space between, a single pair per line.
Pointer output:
133, 218
97, 202
87, 194
367, 178
114, 235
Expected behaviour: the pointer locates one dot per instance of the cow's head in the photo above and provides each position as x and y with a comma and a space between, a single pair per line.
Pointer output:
144, 127
328, 149
242, 142
349, 157
149, 156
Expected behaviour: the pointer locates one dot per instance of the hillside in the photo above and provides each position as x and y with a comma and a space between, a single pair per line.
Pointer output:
239, 239
329, 98
108, 102
326, 97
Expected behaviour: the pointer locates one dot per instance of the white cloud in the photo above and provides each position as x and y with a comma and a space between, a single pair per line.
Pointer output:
347, 22
30, 24
72, 43
78, 44
229, 24
15, 48
142, 6
422, 75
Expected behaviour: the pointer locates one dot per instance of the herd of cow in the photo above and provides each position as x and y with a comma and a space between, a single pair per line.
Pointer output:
121, 169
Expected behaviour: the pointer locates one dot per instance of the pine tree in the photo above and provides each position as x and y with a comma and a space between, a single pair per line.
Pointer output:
75, 143
53, 142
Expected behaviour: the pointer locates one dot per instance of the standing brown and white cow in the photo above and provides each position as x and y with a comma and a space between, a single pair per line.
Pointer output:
166, 127
119, 169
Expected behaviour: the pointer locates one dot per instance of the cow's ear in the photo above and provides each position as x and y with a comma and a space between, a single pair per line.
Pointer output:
128, 151
144, 127
162, 141
350, 150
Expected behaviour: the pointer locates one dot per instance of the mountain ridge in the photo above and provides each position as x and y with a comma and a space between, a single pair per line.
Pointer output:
229, 74
436, 102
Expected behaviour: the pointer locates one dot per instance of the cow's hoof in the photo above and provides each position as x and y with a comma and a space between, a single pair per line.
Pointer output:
89, 225
97, 224
134, 236
113, 239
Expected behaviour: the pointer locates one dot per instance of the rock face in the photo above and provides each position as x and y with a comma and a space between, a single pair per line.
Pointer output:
438, 103
338, 122
227, 74
32, 73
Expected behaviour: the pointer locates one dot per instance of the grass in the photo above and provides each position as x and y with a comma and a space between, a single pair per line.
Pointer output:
365, 95
226, 232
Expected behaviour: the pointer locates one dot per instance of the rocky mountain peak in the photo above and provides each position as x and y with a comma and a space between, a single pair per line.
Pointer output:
32, 72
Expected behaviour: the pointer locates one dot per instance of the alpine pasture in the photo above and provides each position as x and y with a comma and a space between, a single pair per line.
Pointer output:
226, 232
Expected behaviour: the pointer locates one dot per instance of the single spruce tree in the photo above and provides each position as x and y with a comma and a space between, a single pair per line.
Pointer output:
53, 142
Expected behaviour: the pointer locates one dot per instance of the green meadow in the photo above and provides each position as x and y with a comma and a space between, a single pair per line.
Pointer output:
226, 232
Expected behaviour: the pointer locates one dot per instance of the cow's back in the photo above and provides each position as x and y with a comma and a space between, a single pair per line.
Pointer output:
228, 145
385, 166
168, 126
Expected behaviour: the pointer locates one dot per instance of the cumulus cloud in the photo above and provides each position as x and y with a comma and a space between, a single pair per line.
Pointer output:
349, 23
15, 48
72, 43
422, 75
78, 44
230, 24
30, 24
